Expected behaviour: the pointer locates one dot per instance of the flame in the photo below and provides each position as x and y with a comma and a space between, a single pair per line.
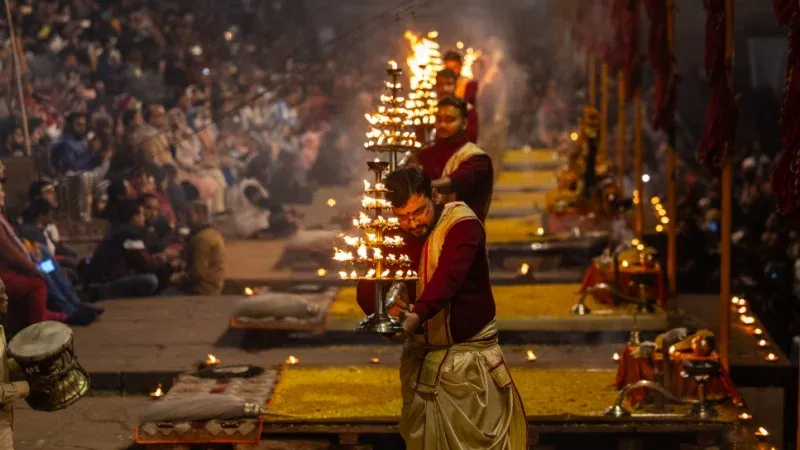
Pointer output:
524, 268
393, 64
762, 343
470, 56
331, 202
424, 62
292, 360
362, 252
366, 185
248, 291
321, 272
376, 254
762, 432
771, 357
385, 273
530, 356
340, 255
745, 416
343, 275
615, 356
158, 393
212, 360
758, 331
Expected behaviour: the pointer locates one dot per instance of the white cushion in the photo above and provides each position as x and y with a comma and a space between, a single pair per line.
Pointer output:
275, 305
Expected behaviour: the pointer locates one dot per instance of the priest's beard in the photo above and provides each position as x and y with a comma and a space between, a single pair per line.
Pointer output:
422, 231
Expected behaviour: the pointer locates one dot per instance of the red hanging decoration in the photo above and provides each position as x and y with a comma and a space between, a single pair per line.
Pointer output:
721, 114
632, 61
663, 62
614, 57
786, 174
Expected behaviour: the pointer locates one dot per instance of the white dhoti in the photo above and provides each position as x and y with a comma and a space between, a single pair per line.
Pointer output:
460, 397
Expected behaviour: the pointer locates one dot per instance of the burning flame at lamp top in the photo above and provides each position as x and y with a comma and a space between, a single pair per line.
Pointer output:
212, 360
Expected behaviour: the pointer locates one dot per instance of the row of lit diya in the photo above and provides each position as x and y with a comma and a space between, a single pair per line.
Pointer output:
362, 256
372, 239
387, 274
740, 306
365, 222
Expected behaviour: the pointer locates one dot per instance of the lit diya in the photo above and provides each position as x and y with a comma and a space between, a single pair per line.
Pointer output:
530, 356
292, 360
158, 393
212, 360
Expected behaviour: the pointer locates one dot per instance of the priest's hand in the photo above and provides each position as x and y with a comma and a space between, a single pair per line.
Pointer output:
411, 322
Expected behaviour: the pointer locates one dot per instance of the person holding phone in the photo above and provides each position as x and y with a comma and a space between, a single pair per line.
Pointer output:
61, 295
24, 280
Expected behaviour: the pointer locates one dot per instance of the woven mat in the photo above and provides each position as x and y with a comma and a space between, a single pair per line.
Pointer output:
504, 230
544, 179
537, 155
523, 301
363, 392
234, 431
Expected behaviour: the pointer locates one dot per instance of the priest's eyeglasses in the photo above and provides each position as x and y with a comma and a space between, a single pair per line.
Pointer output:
416, 215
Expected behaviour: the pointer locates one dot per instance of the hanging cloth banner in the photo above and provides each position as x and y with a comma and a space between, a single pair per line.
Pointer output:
632, 60
721, 114
786, 174
663, 62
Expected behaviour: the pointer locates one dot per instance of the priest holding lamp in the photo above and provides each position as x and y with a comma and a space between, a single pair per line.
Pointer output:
457, 391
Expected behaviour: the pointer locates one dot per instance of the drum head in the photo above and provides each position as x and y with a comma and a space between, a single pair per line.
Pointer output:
40, 340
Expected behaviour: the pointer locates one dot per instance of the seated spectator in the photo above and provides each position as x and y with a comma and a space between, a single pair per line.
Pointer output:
121, 264
160, 237
255, 213
61, 295
45, 191
25, 285
71, 152
118, 191
204, 255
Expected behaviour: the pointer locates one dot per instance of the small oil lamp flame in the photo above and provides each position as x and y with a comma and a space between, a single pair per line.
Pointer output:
212, 360
745, 416
530, 356
758, 331
321, 272
762, 433
393, 64
331, 202
540, 231
524, 268
248, 291
292, 360
158, 393
672, 349
615, 356
743, 310
374, 360
771, 357
762, 343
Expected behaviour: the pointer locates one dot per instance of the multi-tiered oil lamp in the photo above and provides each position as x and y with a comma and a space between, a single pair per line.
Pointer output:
374, 254
424, 63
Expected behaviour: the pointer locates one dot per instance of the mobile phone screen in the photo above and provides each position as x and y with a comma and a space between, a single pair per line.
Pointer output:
47, 266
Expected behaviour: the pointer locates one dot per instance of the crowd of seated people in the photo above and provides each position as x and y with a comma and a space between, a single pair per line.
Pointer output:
166, 129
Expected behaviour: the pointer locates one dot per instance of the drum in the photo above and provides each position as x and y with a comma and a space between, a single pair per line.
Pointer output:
44, 352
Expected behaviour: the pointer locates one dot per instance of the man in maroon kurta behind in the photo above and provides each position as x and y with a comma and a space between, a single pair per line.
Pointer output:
471, 178
446, 83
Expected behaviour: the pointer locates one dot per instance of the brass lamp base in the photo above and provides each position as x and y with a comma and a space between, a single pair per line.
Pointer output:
381, 324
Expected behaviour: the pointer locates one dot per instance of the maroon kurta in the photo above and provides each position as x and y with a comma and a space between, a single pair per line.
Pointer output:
460, 280
471, 130
473, 180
